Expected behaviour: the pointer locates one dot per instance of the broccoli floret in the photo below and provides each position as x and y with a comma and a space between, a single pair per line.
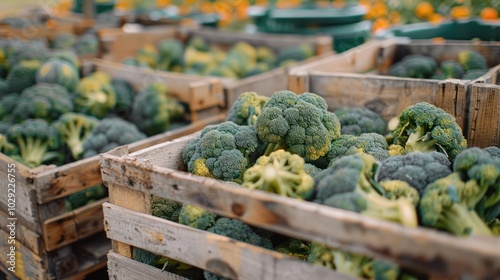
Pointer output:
414, 66
382, 270
22, 75
395, 189
109, 134
36, 140
5, 146
26, 51
170, 53
342, 261
223, 151
196, 217
165, 208
295, 248
124, 97
240, 231
86, 196
451, 69
282, 173
471, 60
424, 127
7, 105
349, 184
64, 41
494, 151
149, 111
367, 143
474, 74
448, 204
299, 124
73, 129
246, 108
416, 168
358, 120
87, 44
158, 261
68, 56
311, 169
43, 101
94, 98
295, 54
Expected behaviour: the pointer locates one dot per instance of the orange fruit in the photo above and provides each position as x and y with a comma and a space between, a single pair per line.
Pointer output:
460, 12
435, 18
424, 9
380, 23
489, 13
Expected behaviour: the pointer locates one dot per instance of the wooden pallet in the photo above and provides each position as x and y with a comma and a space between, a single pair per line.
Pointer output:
133, 177
125, 45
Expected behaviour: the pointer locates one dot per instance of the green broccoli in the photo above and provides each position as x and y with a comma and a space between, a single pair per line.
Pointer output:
94, 98
474, 74
124, 97
73, 129
246, 108
451, 69
68, 56
109, 134
26, 51
149, 111
43, 101
494, 151
64, 41
240, 231
299, 124
196, 217
223, 151
3, 87
282, 173
358, 120
266, 55
424, 127
37, 141
382, 270
170, 53
22, 75
295, 54
87, 44
5, 146
448, 204
158, 261
416, 168
165, 208
311, 169
342, 261
349, 184
395, 189
471, 60
85, 196
414, 66
295, 248
7, 105
367, 143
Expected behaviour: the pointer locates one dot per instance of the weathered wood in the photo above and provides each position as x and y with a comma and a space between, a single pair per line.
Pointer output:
123, 268
452, 98
423, 249
29, 238
219, 254
484, 115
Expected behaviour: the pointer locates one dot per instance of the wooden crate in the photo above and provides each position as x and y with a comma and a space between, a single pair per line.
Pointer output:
158, 170
349, 80
44, 224
125, 45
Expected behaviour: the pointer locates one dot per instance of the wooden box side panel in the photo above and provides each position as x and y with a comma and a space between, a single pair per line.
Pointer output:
120, 267
219, 254
26, 236
484, 115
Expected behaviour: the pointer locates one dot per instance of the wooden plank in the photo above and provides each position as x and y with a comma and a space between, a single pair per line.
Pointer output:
423, 249
123, 268
484, 115
26, 236
216, 253
452, 98
73, 226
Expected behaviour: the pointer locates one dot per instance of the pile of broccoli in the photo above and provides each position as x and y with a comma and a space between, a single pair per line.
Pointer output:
468, 65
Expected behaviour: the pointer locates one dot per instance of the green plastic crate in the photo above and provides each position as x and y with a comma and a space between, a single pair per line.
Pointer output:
449, 30
99, 7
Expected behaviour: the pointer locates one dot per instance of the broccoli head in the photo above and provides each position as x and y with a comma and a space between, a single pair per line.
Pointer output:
73, 129
300, 124
240, 231
22, 75
494, 151
85, 196
222, 151
396, 189
414, 66
124, 97
349, 184
149, 111
282, 173
474, 74
94, 98
367, 143
246, 108
471, 60
109, 134
451, 69
158, 261
170, 53
358, 120
339, 260
416, 168
36, 140
424, 127
8, 104
196, 217
165, 208
43, 101
295, 248
448, 204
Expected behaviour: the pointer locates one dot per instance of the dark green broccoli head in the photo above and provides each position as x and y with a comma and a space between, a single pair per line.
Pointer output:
395, 189
494, 151
149, 111
342, 261
246, 108
451, 69
109, 134
22, 75
73, 129
43, 101
416, 168
414, 66
64, 41
85, 196
7, 105
196, 217
311, 169
448, 204
295, 248
358, 120
240, 231
165, 208
296, 53
299, 124
124, 97
87, 44
36, 141
383, 270
20, 51
94, 97
68, 56
471, 60
282, 173
424, 127
367, 143
170, 53
474, 74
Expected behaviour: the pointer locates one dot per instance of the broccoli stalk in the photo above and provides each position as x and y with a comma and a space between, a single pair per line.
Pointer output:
74, 128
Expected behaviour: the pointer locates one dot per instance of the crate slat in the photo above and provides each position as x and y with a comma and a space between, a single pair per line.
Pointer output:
484, 119
219, 254
155, 171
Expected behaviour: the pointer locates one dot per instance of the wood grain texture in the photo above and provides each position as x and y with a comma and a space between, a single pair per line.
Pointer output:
28, 237
484, 115
427, 250
219, 254
123, 268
